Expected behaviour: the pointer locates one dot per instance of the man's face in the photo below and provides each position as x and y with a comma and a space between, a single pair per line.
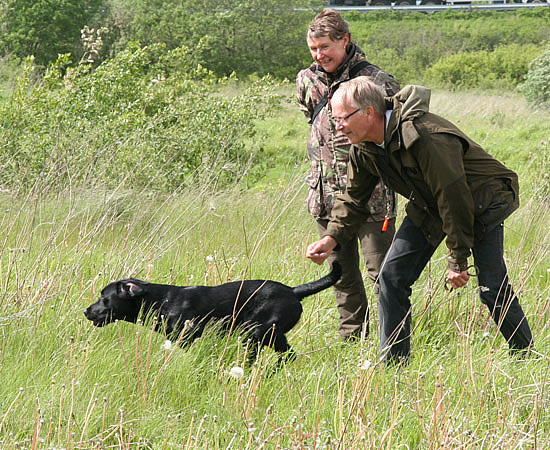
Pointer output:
327, 53
352, 122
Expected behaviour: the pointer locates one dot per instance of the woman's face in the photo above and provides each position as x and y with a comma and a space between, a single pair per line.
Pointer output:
327, 53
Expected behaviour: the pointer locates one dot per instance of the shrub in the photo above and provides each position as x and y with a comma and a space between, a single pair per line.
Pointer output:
9, 67
407, 44
147, 118
506, 67
536, 87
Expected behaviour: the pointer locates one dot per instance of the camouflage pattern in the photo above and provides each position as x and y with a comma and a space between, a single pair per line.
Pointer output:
328, 149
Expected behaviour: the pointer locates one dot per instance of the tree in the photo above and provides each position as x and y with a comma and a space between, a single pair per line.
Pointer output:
46, 28
250, 36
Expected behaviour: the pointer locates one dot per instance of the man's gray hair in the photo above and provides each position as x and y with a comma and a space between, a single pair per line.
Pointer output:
361, 92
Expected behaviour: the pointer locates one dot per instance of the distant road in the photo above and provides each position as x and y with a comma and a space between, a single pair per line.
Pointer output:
435, 8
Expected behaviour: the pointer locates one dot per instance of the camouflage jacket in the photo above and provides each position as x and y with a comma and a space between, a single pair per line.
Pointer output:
328, 149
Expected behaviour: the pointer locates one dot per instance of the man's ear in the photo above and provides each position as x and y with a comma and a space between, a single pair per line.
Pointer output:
131, 288
368, 111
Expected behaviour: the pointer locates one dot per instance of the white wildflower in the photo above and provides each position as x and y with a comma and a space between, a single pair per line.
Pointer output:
167, 345
210, 258
366, 365
236, 372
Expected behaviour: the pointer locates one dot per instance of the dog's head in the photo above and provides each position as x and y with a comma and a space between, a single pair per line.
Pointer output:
120, 300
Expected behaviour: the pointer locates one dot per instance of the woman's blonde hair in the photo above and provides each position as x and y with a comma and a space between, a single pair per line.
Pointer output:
328, 23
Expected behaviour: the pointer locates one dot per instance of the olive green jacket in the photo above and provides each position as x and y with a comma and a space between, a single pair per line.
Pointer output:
454, 187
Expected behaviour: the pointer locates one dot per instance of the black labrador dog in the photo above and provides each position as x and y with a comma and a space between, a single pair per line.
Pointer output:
265, 309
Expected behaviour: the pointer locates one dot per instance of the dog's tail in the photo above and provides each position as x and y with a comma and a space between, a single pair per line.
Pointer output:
317, 286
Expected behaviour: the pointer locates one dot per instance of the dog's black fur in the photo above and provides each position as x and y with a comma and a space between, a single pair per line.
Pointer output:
265, 309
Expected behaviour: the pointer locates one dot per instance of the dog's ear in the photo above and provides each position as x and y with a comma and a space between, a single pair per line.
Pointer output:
132, 288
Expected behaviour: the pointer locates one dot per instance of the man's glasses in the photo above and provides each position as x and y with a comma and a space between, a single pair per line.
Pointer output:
339, 120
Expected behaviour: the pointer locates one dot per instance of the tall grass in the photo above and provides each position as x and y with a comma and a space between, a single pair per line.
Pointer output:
66, 384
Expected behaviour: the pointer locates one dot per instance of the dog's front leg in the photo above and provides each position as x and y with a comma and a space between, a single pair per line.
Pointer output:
289, 355
184, 332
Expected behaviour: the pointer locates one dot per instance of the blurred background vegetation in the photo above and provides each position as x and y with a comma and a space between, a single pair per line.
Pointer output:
165, 94
268, 37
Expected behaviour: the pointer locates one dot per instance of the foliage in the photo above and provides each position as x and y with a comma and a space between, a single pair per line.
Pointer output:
408, 44
259, 37
254, 36
8, 70
46, 28
537, 83
148, 117
505, 66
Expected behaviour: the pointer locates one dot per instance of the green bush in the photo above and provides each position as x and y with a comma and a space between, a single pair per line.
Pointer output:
506, 67
407, 44
149, 118
536, 87
257, 36
8, 71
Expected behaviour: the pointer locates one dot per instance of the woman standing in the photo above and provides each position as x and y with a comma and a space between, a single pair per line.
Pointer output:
337, 59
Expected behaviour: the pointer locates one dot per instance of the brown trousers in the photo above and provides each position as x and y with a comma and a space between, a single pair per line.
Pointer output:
351, 298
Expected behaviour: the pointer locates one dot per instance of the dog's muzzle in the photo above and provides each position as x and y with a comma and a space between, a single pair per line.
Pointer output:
97, 321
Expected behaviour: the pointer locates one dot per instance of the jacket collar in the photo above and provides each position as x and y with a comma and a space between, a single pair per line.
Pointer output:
400, 133
342, 73
409, 103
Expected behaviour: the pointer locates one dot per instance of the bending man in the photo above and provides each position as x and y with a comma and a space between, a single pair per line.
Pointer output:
455, 189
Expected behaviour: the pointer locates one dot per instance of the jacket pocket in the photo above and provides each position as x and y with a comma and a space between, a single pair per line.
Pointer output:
312, 177
482, 199
340, 167
492, 205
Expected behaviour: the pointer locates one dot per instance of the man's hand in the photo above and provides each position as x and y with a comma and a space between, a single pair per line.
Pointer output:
457, 279
321, 250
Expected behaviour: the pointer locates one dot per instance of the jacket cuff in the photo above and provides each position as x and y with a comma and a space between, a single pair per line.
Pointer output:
455, 266
326, 233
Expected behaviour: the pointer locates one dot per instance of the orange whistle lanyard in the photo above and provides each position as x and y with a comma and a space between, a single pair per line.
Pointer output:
388, 208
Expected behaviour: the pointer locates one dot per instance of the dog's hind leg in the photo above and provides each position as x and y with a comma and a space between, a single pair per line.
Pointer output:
252, 349
271, 336
288, 354
280, 345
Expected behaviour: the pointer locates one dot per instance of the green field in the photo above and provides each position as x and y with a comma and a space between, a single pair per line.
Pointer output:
150, 161
66, 384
